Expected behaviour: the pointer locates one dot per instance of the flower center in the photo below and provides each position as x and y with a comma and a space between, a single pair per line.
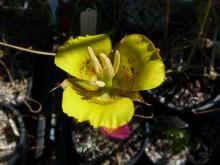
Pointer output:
104, 71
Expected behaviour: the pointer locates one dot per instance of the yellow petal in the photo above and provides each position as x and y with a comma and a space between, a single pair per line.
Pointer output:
141, 67
152, 76
112, 115
73, 56
80, 84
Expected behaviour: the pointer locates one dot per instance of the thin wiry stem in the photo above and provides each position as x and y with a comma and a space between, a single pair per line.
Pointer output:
206, 111
214, 48
26, 102
167, 18
200, 32
7, 70
27, 50
144, 117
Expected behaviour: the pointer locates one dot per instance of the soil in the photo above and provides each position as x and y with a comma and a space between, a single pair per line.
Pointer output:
93, 147
173, 146
9, 135
15, 77
160, 152
185, 90
192, 73
13, 92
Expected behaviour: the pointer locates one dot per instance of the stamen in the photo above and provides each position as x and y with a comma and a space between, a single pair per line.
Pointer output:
107, 66
96, 64
116, 61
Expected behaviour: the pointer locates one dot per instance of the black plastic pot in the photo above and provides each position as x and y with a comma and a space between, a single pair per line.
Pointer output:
171, 141
21, 151
210, 105
137, 158
101, 159
15, 96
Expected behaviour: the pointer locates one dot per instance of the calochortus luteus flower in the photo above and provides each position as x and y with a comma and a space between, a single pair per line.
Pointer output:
105, 82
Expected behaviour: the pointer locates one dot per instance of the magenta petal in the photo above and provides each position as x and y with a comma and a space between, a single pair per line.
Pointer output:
118, 133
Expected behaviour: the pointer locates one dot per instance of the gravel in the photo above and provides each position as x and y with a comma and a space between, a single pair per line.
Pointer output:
93, 147
13, 92
8, 136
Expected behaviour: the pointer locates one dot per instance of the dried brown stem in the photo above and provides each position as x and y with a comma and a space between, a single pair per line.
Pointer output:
27, 50
29, 106
7, 70
144, 117
167, 18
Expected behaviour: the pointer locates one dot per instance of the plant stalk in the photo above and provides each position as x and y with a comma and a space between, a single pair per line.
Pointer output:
167, 18
200, 32
7, 71
28, 50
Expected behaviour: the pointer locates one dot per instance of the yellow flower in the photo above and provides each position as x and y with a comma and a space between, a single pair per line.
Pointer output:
106, 81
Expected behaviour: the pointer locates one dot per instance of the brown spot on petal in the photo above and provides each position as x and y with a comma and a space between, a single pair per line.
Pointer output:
86, 70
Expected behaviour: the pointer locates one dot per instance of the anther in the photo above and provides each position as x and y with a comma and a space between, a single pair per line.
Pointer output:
97, 66
116, 62
107, 66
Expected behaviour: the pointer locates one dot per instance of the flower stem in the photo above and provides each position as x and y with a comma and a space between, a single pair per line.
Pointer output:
167, 18
200, 32
27, 50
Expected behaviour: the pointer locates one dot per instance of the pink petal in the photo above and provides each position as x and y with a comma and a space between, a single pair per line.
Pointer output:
118, 133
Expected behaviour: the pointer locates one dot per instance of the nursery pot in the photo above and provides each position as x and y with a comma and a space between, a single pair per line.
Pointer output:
92, 147
206, 106
171, 141
15, 79
18, 9
15, 93
13, 137
211, 105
